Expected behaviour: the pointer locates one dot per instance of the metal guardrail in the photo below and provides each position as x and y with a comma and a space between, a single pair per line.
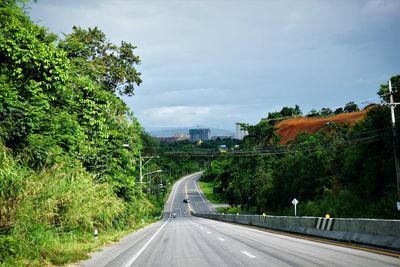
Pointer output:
375, 232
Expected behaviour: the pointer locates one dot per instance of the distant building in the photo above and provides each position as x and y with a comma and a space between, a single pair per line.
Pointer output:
168, 139
176, 137
240, 133
181, 136
199, 134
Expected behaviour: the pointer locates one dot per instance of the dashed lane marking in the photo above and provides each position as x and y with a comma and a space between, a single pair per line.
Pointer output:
248, 254
318, 240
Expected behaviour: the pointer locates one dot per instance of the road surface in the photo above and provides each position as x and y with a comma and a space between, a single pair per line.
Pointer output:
191, 241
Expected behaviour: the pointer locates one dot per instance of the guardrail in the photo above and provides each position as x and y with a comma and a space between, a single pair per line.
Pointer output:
376, 232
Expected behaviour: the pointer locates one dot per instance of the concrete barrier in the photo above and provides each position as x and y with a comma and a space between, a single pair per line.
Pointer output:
375, 232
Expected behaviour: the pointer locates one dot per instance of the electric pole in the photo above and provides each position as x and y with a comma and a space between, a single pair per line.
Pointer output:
141, 165
140, 168
393, 105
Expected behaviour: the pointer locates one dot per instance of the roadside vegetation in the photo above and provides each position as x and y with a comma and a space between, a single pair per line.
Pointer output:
344, 169
69, 152
236, 210
208, 188
69, 146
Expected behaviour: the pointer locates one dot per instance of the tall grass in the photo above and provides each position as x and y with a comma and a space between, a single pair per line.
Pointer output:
43, 212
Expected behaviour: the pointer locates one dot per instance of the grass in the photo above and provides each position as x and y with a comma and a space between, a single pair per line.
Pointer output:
73, 248
47, 216
215, 198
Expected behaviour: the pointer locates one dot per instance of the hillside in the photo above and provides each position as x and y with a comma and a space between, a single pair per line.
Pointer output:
289, 129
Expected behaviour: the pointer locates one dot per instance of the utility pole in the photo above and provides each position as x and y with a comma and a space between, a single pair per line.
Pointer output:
140, 168
393, 105
141, 165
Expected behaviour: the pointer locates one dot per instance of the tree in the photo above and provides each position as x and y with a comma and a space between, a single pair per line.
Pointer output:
384, 89
32, 76
109, 65
339, 111
313, 113
261, 135
285, 112
326, 112
351, 107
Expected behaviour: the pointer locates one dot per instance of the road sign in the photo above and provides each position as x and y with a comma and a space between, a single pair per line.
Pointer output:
295, 202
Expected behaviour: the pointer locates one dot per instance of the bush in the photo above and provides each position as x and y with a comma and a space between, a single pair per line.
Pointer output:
39, 208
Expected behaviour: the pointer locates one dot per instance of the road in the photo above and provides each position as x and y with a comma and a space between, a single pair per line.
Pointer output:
192, 241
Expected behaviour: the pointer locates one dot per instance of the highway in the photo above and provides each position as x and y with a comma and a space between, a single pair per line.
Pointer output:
191, 241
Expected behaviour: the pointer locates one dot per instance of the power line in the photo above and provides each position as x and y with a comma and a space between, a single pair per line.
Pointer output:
309, 147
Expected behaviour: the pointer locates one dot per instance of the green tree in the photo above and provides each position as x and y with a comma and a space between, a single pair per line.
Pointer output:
326, 112
32, 76
261, 135
339, 111
351, 107
108, 65
384, 89
313, 113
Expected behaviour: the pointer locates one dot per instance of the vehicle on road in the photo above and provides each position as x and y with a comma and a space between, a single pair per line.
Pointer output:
186, 200
174, 215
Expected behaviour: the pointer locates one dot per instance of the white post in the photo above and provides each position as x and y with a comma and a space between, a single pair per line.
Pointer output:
96, 233
140, 169
392, 106
295, 202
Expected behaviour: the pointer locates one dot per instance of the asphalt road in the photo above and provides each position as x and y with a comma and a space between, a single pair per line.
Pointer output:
191, 241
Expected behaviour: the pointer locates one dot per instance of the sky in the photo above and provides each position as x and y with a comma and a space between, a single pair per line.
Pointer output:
213, 63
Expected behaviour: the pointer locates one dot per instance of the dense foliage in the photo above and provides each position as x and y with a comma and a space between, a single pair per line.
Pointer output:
70, 149
344, 170
64, 169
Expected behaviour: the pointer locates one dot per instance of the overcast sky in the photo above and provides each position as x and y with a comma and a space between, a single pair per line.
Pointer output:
214, 63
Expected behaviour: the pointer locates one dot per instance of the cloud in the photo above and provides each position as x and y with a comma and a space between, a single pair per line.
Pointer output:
185, 116
293, 20
218, 62
381, 7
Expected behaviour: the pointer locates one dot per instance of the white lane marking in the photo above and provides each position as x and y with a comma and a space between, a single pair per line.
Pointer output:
186, 196
248, 254
176, 186
208, 232
134, 258
197, 188
221, 239
175, 189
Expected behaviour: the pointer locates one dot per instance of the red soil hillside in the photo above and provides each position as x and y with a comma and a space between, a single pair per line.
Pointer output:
289, 129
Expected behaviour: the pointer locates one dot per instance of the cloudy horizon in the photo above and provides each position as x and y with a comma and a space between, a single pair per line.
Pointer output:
214, 63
